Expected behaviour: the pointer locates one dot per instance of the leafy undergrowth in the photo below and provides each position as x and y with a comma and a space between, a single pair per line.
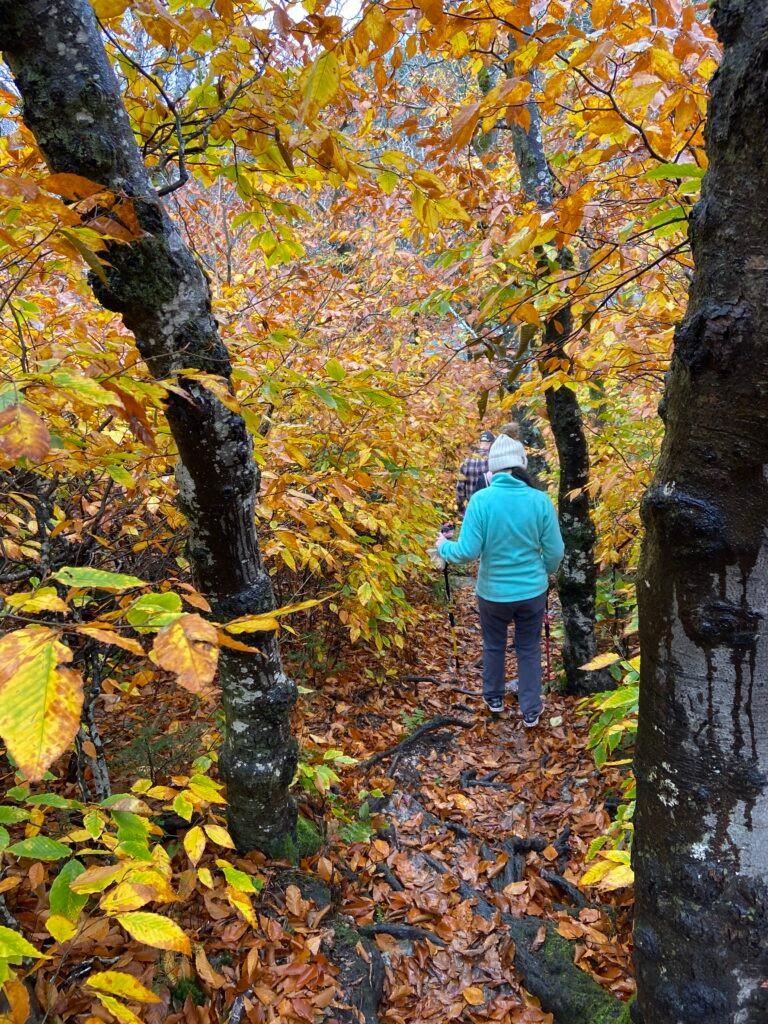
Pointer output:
261, 947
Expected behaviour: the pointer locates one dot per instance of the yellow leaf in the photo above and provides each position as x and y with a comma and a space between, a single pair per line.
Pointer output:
601, 661
61, 928
118, 1009
23, 434
600, 11
253, 624
219, 835
117, 983
596, 872
618, 877
189, 648
110, 636
40, 700
194, 844
432, 9
322, 84
240, 901
109, 8
155, 930
44, 600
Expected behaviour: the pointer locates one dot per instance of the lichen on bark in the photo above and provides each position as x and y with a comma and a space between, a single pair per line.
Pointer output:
73, 106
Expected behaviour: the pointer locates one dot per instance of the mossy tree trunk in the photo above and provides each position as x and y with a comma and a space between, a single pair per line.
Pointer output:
701, 847
73, 107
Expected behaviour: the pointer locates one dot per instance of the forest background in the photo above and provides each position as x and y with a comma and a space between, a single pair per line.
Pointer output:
415, 221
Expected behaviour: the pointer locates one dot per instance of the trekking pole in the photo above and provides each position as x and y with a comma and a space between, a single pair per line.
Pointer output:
547, 640
451, 617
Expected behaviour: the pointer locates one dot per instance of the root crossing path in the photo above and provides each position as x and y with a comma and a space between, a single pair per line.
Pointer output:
470, 889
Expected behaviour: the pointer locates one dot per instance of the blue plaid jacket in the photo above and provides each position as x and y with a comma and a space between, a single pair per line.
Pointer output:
473, 476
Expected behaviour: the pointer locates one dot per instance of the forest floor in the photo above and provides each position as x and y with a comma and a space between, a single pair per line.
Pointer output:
478, 806
425, 850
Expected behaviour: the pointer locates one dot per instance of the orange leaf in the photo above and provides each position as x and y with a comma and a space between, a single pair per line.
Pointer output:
188, 647
474, 995
23, 434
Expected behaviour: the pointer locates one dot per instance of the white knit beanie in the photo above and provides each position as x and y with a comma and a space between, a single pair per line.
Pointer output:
506, 453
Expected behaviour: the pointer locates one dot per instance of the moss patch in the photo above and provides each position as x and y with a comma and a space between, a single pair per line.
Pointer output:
305, 841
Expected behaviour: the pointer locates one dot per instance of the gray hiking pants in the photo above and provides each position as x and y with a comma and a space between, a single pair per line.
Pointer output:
527, 616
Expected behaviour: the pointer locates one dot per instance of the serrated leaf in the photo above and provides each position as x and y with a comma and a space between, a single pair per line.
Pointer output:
14, 947
188, 647
153, 611
322, 83
12, 815
86, 578
110, 636
23, 434
40, 848
40, 699
183, 807
109, 8
117, 983
194, 844
601, 661
220, 836
118, 1009
238, 879
62, 900
44, 600
97, 879
60, 927
75, 186
156, 931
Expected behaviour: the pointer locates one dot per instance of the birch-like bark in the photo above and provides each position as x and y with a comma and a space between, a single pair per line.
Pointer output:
701, 847
73, 106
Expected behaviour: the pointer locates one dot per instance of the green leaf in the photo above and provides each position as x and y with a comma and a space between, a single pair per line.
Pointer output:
62, 900
239, 880
183, 807
40, 848
5, 837
335, 370
54, 800
14, 947
12, 815
84, 577
671, 172
153, 611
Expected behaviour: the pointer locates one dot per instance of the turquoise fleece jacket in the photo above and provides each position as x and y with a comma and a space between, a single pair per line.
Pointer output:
512, 528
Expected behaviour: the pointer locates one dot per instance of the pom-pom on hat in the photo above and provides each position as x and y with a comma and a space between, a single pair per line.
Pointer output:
506, 453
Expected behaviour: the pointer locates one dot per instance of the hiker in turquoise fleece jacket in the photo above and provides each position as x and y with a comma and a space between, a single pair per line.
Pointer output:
512, 528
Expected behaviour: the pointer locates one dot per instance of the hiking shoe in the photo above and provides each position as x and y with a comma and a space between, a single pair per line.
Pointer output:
531, 721
494, 704
511, 686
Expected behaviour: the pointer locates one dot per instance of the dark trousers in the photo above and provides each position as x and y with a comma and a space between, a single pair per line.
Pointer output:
527, 616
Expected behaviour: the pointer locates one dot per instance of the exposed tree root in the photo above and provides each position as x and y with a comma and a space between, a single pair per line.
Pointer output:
401, 931
440, 722
543, 958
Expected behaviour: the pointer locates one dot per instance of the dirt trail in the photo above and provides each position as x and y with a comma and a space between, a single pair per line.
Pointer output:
505, 812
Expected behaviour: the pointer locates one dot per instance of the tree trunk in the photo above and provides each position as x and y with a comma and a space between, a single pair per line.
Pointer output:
701, 852
577, 578
73, 106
